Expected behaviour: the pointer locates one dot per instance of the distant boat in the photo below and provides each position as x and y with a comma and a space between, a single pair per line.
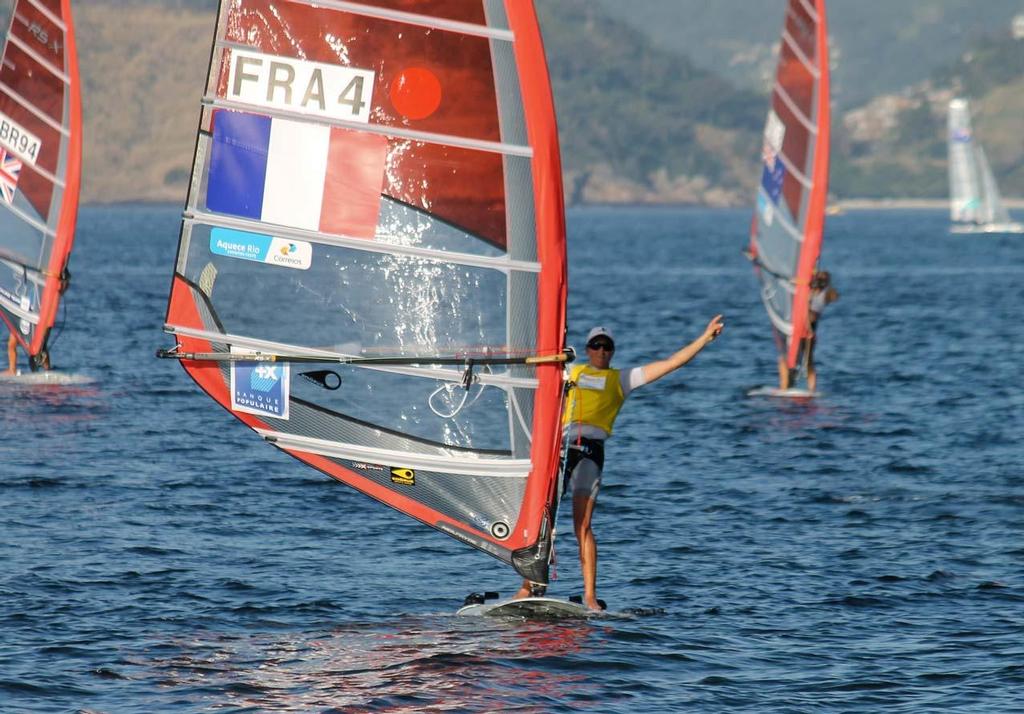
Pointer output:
975, 205
786, 230
40, 163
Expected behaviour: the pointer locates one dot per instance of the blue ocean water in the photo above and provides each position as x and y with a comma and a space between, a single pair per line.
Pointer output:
860, 553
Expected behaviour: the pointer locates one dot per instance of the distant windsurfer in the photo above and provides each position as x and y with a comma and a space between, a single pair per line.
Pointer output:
596, 395
822, 294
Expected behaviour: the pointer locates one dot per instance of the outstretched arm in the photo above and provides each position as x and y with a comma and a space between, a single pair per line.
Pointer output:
657, 370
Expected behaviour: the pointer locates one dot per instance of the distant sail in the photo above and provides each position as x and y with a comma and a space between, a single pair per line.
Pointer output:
40, 164
376, 205
975, 205
789, 217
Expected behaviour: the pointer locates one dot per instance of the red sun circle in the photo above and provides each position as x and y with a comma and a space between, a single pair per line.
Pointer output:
416, 93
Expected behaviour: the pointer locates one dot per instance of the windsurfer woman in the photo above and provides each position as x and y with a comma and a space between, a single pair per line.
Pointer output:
596, 395
822, 294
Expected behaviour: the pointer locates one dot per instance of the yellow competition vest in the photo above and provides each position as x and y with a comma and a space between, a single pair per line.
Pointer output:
596, 398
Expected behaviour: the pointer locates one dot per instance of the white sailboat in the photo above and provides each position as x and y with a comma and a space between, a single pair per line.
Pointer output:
975, 205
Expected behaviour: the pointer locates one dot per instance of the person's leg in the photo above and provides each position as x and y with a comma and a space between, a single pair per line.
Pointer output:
12, 354
784, 376
582, 512
812, 375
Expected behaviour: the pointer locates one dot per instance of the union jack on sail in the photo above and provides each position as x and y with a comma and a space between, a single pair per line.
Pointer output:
10, 169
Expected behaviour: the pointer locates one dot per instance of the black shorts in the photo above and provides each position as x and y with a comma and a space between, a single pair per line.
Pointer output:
580, 449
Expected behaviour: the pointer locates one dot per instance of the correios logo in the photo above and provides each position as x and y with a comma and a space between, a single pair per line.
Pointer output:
291, 254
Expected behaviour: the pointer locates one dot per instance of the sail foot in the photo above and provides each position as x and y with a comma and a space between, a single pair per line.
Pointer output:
532, 562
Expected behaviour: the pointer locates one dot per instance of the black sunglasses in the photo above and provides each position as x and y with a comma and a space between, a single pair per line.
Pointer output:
606, 346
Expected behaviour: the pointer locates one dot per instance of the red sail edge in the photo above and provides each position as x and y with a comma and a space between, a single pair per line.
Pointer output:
819, 194
542, 130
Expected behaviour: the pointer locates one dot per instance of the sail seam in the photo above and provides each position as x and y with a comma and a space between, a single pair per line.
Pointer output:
45, 63
495, 147
492, 468
49, 15
410, 18
38, 113
362, 244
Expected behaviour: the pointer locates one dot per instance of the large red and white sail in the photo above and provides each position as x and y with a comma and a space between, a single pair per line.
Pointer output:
790, 215
376, 201
40, 165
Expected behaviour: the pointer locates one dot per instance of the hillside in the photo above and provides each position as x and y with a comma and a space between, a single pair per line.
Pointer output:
639, 122
880, 46
143, 70
896, 144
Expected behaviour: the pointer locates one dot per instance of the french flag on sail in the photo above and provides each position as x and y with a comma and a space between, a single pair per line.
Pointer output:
296, 174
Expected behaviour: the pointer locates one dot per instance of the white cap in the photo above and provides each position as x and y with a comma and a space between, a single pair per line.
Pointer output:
600, 332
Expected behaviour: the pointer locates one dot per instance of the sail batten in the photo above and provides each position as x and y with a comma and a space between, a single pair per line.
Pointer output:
426, 137
371, 268
504, 264
792, 106
35, 111
40, 60
804, 59
495, 468
411, 18
45, 11
25, 217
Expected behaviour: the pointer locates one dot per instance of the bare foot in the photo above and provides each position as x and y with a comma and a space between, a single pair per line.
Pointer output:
593, 604
521, 593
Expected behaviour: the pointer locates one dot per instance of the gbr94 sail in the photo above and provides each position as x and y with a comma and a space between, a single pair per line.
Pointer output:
40, 165
371, 269
786, 230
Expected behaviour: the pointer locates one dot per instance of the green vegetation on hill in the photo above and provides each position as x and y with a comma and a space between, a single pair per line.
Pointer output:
637, 112
879, 46
638, 122
909, 160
